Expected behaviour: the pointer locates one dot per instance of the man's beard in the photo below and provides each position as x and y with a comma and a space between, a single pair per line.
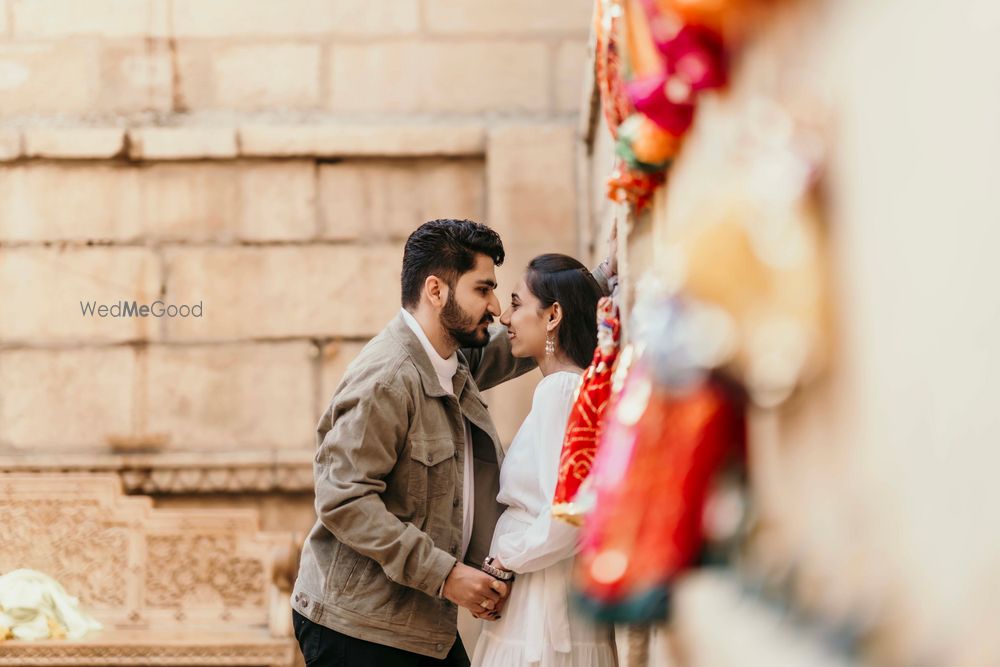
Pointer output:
462, 327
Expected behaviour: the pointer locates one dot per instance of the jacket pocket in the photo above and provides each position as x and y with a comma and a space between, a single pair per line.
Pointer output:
343, 572
432, 468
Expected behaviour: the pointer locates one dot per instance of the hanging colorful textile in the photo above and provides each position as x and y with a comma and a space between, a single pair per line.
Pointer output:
667, 64
632, 186
715, 14
644, 146
692, 60
607, 64
669, 432
633, 180
586, 419
658, 458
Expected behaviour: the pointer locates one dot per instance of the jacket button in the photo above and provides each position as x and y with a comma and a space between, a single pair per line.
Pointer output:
303, 603
439, 647
454, 550
454, 503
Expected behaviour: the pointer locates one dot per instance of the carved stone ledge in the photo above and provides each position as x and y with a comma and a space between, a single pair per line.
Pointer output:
151, 648
248, 135
168, 473
191, 587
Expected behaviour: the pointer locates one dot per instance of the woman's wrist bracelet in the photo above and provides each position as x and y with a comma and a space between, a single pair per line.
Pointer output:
495, 572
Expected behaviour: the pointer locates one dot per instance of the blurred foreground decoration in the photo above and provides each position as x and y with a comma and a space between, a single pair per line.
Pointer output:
653, 63
734, 311
869, 432
670, 432
749, 261
743, 255
35, 606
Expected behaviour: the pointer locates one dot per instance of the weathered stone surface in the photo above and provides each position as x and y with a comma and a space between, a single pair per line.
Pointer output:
227, 200
66, 399
219, 75
180, 143
95, 202
237, 396
510, 403
530, 172
294, 18
370, 18
517, 17
280, 512
388, 199
102, 18
43, 289
362, 139
199, 201
277, 201
49, 77
284, 291
571, 63
440, 77
532, 193
165, 201
73, 142
84, 76
136, 76
10, 144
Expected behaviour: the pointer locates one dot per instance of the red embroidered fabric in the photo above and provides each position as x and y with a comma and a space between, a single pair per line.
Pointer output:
583, 429
658, 458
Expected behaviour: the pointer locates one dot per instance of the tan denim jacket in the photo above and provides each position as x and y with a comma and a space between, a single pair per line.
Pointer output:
388, 475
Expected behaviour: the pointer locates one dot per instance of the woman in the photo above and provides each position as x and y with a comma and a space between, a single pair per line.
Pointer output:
551, 319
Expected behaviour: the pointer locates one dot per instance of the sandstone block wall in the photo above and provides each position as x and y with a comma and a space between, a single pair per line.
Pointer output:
266, 160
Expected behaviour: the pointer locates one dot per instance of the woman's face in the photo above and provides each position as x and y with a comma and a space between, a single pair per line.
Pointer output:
527, 323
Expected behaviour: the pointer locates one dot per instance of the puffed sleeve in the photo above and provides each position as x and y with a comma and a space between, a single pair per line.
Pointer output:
545, 541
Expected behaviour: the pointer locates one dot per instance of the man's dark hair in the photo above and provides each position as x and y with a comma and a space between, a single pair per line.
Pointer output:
446, 249
555, 277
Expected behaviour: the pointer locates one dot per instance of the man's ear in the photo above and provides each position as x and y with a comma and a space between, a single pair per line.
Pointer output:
555, 317
436, 291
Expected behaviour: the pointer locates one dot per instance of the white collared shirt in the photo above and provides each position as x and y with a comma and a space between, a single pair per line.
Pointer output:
445, 370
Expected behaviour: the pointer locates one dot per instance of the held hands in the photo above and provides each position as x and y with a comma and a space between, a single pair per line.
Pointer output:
475, 590
494, 614
490, 566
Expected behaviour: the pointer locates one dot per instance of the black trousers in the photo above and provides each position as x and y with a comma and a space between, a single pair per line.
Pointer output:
323, 647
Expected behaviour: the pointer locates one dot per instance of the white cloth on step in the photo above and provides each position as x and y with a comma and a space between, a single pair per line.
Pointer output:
31, 602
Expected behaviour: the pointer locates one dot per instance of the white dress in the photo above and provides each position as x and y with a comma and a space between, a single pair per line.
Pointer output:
538, 626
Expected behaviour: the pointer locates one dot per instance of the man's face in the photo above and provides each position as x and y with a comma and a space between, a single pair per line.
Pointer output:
472, 305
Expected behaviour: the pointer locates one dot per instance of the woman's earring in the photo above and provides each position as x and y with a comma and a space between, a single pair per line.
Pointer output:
550, 345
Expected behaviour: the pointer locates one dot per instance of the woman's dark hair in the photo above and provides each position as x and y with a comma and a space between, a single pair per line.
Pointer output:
446, 249
555, 277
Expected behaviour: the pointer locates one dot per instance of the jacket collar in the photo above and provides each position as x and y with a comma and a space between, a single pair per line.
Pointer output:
401, 331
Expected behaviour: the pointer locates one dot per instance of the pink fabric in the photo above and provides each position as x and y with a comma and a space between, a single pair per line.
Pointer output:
694, 59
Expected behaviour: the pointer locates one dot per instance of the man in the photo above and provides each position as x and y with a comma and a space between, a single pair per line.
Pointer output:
407, 469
